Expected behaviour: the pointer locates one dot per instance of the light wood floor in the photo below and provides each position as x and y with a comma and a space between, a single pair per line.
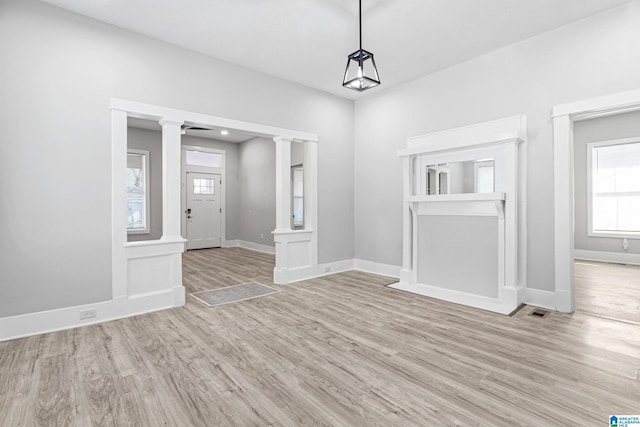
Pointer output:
342, 350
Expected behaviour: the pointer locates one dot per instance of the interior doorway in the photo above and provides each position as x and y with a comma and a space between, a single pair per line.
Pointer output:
147, 275
564, 119
607, 216
203, 210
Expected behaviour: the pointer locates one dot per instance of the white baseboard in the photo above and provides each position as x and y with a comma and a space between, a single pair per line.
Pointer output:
619, 257
377, 268
564, 302
334, 267
503, 306
42, 322
250, 245
539, 298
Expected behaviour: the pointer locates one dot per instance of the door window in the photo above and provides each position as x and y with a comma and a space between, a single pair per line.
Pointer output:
204, 186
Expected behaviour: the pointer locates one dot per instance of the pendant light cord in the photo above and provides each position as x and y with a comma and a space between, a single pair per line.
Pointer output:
360, 20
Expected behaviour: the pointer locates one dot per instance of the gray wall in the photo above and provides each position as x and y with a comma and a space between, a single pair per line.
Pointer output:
257, 176
57, 86
594, 130
593, 57
297, 153
150, 141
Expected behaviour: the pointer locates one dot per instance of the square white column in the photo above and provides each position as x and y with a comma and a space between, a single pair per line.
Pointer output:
283, 184
171, 182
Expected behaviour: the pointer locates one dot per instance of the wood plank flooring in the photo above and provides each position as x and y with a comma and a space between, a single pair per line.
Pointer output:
342, 350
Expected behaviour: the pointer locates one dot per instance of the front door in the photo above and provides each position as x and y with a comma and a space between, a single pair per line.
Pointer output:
203, 210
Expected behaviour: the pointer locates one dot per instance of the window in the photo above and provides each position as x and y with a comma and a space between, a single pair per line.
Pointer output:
203, 158
204, 186
484, 176
137, 191
614, 188
297, 196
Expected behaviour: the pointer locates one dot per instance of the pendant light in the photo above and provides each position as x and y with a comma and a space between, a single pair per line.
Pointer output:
361, 73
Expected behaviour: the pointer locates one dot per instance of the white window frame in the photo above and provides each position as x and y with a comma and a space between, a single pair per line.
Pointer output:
146, 207
294, 226
590, 168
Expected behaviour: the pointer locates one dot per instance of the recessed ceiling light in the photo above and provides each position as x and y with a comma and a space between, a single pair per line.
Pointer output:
224, 132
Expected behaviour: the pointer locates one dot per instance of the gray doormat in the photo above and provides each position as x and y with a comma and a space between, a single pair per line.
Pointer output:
234, 293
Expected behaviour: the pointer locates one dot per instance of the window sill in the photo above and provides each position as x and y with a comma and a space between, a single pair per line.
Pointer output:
139, 231
614, 235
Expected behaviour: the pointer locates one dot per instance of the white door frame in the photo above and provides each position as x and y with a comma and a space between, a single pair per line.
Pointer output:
563, 117
147, 275
203, 169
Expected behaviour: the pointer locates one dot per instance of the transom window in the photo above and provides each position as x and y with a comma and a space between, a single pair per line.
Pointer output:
203, 158
614, 193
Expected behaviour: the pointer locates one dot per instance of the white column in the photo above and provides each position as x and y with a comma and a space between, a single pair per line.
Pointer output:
171, 186
511, 186
311, 196
119, 206
563, 211
407, 220
283, 184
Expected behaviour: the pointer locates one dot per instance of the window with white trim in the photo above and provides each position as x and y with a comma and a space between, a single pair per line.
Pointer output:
484, 176
297, 197
137, 191
614, 188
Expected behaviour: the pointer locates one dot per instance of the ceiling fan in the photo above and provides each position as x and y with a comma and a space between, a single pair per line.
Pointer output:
190, 127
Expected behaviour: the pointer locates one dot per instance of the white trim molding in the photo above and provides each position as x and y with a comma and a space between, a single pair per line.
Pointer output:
69, 317
591, 169
377, 268
540, 298
616, 257
563, 117
237, 243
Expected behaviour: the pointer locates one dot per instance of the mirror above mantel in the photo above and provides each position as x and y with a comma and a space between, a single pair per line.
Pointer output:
465, 177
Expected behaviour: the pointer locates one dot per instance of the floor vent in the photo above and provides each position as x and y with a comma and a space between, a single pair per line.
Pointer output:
539, 313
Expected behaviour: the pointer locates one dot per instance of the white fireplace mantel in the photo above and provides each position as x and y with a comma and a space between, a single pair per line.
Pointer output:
463, 248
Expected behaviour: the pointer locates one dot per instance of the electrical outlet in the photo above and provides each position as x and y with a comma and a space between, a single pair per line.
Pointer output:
625, 244
261, 235
327, 269
88, 313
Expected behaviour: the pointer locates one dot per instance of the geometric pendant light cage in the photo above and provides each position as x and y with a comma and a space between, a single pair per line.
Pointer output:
361, 72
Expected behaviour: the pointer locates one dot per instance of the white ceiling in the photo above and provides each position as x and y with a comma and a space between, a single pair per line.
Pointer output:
231, 135
307, 41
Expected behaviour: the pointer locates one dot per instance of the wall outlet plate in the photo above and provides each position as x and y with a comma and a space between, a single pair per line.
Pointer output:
88, 313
